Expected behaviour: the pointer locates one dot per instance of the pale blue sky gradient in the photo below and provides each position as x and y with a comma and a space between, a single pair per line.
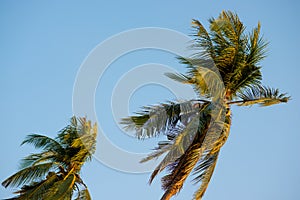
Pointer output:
43, 43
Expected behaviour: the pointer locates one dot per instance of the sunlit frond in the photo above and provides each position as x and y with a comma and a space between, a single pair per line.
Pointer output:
180, 170
256, 47
206, 164
36, 190
202, 40
177, 148
28, 174
205, 170
261, 95
62, 189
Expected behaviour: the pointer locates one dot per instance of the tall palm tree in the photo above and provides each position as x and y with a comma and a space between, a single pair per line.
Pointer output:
55, 172
225, 72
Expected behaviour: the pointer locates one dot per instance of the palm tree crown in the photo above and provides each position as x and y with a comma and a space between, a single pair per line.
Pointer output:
54, 173
225, 72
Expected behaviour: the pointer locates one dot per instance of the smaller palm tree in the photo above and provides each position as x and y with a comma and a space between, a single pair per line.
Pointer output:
55, 172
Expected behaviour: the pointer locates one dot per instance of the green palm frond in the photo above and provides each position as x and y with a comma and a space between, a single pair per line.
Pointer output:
202, 40
256, 47
155, 120
35, 159
62, 189
28, 174
247, 76
234, 53
203, 75
41, 141
261, 95
37, 189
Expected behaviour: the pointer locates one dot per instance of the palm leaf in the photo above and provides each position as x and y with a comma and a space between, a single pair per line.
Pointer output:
35, 159
261, 95
41, 141
37, 190
203, 75
176, 149
180, 170
28, 174
154, 120
202, 40
206, 169
62, 189
256, 47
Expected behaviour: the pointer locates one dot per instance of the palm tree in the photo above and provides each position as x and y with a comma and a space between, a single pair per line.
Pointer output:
54, 173
225, 72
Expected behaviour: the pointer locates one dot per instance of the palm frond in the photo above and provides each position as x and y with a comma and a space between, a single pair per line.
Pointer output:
243, 77
203, 41
203, 75
175, 149
256, 47
205, 171
182, 167
34, 159
205, 166
41, 141
179, 171
155, 120
261, 95
28, 174
37, 190
185, 135
62, 189
178, 77
86, 145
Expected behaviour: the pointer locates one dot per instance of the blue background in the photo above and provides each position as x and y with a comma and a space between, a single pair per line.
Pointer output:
43, 43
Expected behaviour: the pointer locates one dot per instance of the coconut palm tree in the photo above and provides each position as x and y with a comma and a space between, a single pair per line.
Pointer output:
55, 172
224, 72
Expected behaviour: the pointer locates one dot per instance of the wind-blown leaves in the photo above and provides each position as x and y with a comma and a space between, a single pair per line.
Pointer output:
234, 53
225, 71
54, 173
261, 95
155, 120
205, 171
41, 141
28, 174
62, 189
203, 75
37, 190
177, 148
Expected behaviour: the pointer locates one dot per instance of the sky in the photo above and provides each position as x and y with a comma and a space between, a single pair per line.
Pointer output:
44, 46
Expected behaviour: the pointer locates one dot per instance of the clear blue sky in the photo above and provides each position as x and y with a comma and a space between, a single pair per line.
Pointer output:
42, 46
